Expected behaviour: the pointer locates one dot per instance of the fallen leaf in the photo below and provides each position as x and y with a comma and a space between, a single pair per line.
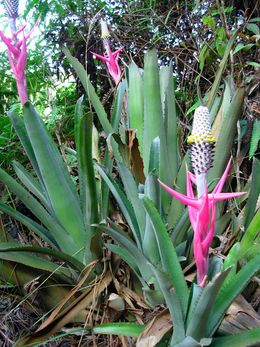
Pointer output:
155, 330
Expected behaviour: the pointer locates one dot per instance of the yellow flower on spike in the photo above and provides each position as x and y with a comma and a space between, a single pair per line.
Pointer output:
104, 30
201, 141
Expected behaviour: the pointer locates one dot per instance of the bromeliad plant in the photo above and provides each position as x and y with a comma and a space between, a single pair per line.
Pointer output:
152, 111
50, 192
202, 211
196, 314
63, 216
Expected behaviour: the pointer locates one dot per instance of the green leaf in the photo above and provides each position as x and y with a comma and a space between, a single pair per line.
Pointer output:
16, 247
128, 257
174, 305
118, 148
118, 105
108, 164
152, 105
123, 203
168, 135
20, 130
255, 138
240, 46
62, 238
190, 342
125, 329
136, 102
132, 195
31, 183
253, 63
108, 161
245, 338
230, 290
200, 316
209, 21
251, 233
177, 208
219, 73
59, 185
149, 244
220, 41
154, 162
232, 259
179, 234
35, 262
30, 224
202, 56
129, 245
254, 20
90, 91
254, 28
169, 257
226, 136
79, 109
170, 118
88, 180
253, 193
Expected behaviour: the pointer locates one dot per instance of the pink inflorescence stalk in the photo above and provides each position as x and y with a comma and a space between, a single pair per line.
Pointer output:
17, 53
111, 58
202, 210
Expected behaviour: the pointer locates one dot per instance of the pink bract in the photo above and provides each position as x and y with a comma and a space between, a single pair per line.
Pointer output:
111, 60
202, 214
17, 53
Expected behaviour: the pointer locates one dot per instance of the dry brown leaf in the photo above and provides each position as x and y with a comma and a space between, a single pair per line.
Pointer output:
57, 310
79, 304
240, 316
155, 330
129, 295
136, 162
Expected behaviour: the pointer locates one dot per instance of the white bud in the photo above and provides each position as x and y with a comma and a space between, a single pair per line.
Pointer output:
104, 29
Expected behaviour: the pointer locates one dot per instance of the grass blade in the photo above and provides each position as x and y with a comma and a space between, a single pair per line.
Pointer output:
125, 329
